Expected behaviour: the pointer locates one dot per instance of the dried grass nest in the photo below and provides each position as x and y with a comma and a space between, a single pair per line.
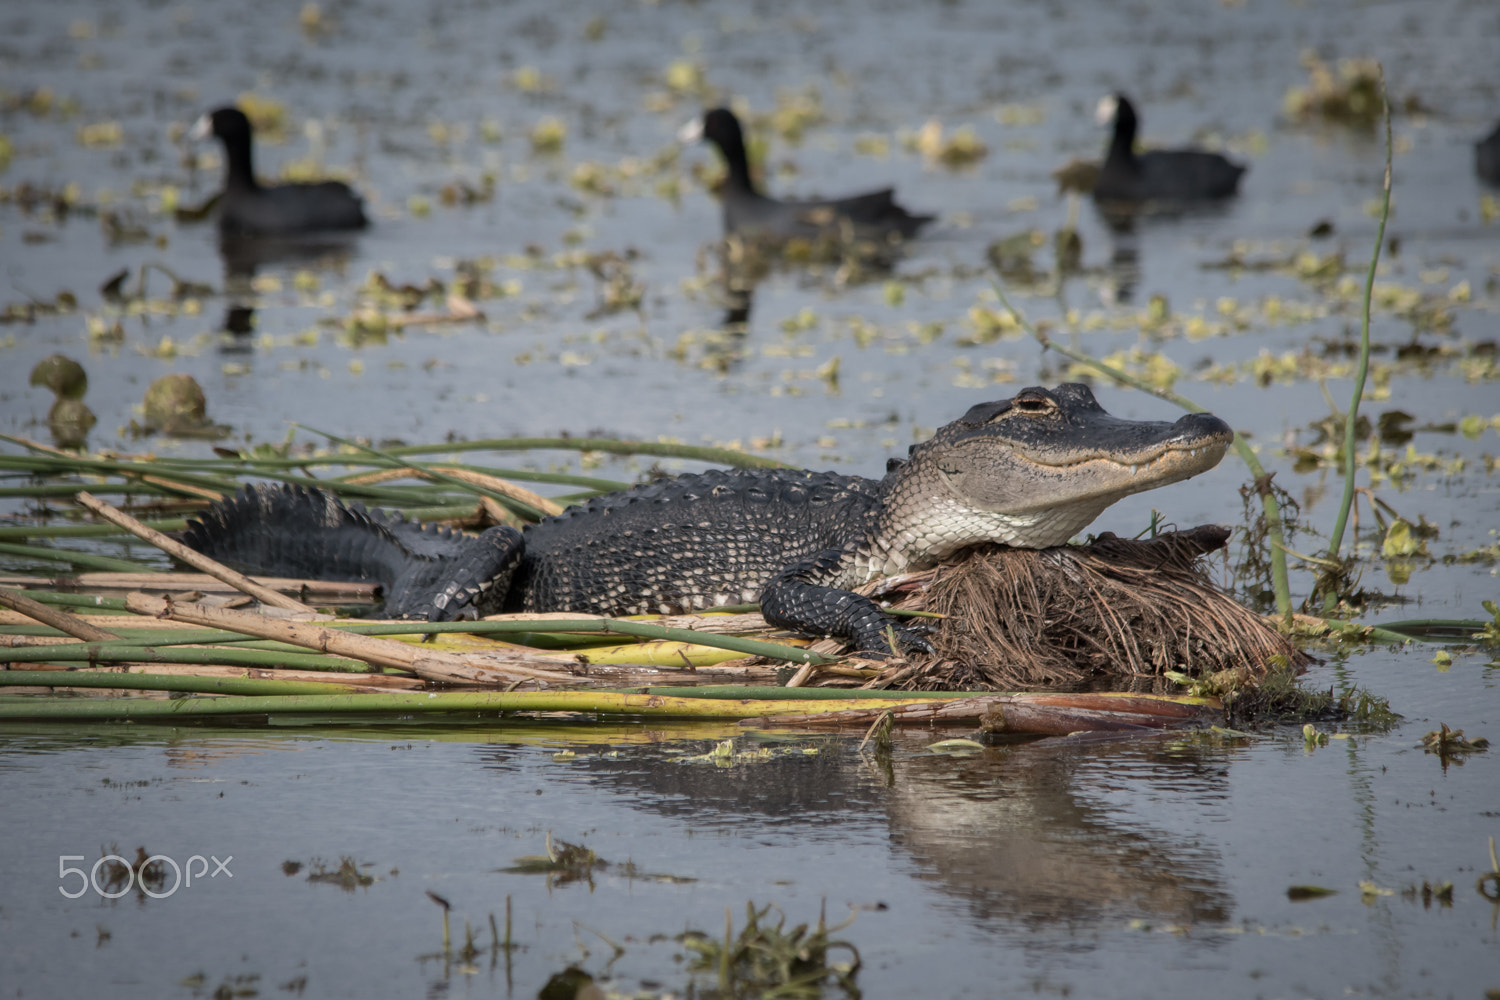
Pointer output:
1115, 609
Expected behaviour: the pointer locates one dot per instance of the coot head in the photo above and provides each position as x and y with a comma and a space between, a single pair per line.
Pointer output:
719, 126
1116, 108
227, 124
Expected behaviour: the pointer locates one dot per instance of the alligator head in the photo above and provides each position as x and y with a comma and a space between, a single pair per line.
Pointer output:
1034, 470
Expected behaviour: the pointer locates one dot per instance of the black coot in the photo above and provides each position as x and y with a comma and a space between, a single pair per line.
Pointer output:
247, 208
1165, 174
749, 213
1487, 157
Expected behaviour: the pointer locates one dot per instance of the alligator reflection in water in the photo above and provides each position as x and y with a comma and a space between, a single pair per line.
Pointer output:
1017, 833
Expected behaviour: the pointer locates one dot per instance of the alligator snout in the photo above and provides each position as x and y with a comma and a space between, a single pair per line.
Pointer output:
1205, 425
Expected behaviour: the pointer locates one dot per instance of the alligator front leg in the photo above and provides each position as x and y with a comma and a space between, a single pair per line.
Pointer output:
793, 600
475, 577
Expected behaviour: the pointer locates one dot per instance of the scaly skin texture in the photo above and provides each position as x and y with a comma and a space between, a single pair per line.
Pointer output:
1029, 471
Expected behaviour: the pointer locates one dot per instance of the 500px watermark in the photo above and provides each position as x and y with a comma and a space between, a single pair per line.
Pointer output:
147, 874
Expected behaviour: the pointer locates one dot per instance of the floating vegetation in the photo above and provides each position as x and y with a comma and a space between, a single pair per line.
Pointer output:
1349, 93
177, 406
724, 754
548, 135
1278, 698
1304, 893
687, 78
268, 116
563, 863
1077, 176
765, 959
1450, 745
960, 148
69, 419
62, 375
346, 875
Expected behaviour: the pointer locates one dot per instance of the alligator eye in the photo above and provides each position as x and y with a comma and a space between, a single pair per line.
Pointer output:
1033, 404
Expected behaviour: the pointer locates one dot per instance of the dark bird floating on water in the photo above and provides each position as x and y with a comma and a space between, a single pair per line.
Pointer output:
1028, 472
1161, 174
1487, 158
248, 208
871, 216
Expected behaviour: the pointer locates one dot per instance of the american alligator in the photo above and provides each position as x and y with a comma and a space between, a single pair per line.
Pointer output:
1030, 471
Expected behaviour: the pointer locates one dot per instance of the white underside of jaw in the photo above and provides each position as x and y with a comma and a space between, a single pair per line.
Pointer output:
949, 526
944, 525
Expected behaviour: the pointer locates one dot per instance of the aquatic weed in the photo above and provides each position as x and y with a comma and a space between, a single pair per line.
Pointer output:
766, 960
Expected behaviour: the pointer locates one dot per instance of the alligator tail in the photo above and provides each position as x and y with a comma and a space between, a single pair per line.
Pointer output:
292, 531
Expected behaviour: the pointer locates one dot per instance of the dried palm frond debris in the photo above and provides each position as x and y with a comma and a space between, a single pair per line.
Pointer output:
1115, 608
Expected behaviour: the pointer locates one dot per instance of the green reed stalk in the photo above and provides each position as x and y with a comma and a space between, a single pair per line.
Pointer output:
120, 652
84, 530
1362, 369
77, 600
244, 686
87, 560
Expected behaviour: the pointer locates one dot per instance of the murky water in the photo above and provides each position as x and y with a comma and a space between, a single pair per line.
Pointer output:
1158, 868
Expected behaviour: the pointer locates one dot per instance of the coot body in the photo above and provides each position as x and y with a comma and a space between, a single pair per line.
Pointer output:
248, 208
747, 212
1158, 175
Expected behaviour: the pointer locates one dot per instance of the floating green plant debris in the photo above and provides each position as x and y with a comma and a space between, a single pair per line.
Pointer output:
1303, 893
62, 375
176, 405
765, 959
346, 875
1349, 92
960, 148
548, 135
1490, 633
956, 747
267, 115
1451, 746
1279, 698
563, 863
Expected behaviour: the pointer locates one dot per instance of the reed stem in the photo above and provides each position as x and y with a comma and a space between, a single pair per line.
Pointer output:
1362, 367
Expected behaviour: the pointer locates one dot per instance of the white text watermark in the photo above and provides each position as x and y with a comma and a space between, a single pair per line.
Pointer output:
112, 876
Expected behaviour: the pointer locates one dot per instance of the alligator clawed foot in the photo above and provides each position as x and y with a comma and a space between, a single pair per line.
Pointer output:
896, 642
